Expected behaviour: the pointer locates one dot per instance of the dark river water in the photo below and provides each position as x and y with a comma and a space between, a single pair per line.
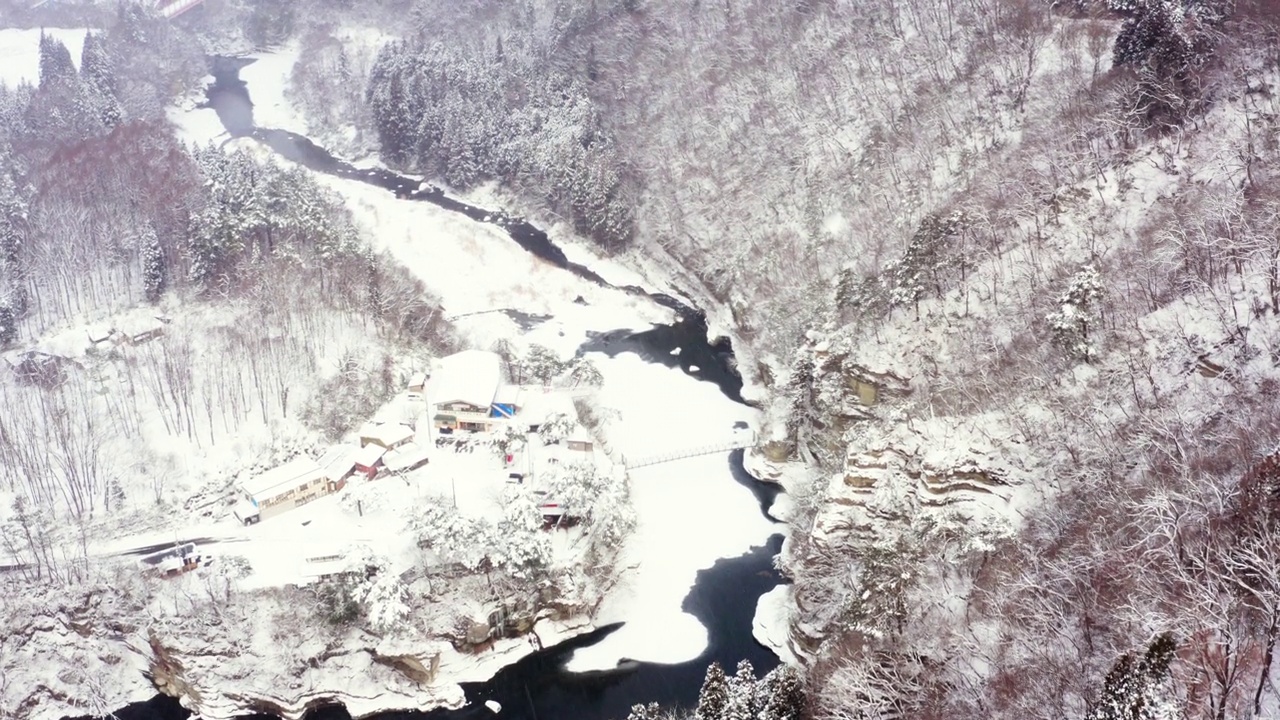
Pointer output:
724, 596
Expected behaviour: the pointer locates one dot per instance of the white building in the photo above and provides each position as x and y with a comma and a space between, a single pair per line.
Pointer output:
405, 458
387, 435
286, 487
463, 389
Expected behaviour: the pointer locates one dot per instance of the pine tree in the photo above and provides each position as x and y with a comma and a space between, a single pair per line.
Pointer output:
8, 324
98, 73
12, 215
155, 276
713, 699
781, 694
1078, 308
742, 703
55, 63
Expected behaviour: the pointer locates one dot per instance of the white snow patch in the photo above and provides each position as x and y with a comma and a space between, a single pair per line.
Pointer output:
835, 224
20, 52
267, 77
772, 622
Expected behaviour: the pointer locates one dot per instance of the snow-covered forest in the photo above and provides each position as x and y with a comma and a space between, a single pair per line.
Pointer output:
1004, 275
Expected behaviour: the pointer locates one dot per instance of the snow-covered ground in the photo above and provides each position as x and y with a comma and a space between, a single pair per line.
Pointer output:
20, 52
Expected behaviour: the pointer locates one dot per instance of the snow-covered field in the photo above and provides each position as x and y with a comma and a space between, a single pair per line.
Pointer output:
20, 52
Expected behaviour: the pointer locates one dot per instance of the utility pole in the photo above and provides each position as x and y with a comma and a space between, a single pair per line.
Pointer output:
453, 482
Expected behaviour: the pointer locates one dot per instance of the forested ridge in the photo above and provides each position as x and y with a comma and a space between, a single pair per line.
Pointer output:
1008, 268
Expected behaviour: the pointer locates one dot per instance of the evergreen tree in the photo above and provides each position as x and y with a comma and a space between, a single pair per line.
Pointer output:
8, 324
55, 63
95, 63
713, 699
1078, 308
542, 364
98, 74
924, 262
12, 216
742, 703
781, 694
10, 242
155, 276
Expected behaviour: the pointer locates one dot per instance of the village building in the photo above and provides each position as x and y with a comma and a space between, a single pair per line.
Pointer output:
324, 571
139, 330
99, 334
39, 368
368, 459
325, 565
284, 488
407, 457
580, 441
173, 561
417, 384
538, 405
338, 463
463, 391
387, 435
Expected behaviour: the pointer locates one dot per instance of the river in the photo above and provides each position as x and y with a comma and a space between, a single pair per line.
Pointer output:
723, 597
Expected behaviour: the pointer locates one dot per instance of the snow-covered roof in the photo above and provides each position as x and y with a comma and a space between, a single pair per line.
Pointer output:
538, 405
297, 472
313, 571
471, 376
580, 434
404, 457
418, 379
140, 324
338, 461
99, 333
387, 434
369, 455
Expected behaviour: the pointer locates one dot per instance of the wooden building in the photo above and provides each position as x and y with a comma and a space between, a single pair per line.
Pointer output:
281, 489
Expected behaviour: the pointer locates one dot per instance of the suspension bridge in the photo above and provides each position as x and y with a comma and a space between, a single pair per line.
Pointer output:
739, 441
173, 8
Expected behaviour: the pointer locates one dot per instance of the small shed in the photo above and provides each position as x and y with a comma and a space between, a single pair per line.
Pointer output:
409, 456
417, 382
368, 459
99, 334
580, 441
389, 435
